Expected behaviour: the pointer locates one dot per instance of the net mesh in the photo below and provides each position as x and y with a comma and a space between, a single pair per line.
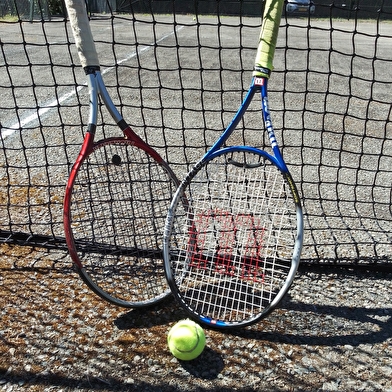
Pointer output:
178, 71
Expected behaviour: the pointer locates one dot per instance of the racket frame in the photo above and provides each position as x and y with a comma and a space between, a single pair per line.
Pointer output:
258, 84
96, 90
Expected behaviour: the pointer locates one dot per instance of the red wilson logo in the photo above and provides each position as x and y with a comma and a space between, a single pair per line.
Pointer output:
259, 81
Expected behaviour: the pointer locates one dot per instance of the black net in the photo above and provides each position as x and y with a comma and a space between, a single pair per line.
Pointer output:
178, 71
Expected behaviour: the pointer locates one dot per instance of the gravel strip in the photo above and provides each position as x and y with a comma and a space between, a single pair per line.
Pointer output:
332, 333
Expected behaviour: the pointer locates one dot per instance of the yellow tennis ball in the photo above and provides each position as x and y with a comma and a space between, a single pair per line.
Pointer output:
186, 340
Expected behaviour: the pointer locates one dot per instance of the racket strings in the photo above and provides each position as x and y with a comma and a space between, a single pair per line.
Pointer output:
231, 252
119, 205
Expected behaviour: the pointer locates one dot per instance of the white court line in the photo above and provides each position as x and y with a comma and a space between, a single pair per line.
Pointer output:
55, 103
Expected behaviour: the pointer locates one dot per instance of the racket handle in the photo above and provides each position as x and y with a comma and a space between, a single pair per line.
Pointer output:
82, 33
268, 37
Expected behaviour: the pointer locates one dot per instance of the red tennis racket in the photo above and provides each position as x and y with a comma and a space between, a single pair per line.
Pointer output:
117, 197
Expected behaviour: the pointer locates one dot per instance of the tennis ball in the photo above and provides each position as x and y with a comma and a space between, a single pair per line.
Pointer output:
186, 340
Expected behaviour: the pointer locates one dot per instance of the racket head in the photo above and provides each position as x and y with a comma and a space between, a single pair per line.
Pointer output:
114, 213
233, 238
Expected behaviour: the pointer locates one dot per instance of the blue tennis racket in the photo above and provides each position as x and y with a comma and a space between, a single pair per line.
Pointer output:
234, 230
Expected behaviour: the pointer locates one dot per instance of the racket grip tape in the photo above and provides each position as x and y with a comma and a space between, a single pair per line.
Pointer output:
268, 37
81, 30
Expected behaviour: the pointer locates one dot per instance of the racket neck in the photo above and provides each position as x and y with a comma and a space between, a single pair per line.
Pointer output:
97, 88
93, 93
103, 93
263, 85
234, 122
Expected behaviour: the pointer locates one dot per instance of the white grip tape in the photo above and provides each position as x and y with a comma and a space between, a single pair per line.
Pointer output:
84, 41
